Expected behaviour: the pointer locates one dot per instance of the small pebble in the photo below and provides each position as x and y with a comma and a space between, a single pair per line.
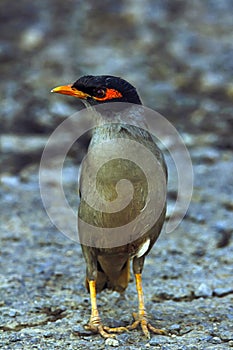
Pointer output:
112, 342
203, 291
222, 291
12, 313
174, 327
48, 334
216, 340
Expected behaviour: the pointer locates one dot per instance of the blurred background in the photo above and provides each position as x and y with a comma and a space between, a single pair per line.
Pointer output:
179, 56
177, 53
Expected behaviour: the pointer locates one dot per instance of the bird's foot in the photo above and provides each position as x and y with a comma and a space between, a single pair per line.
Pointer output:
104, 331
141, 320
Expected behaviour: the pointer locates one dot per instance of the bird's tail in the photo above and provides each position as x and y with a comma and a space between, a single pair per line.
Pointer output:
111, 278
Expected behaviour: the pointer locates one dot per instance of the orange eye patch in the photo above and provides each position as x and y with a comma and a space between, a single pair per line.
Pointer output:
109, 95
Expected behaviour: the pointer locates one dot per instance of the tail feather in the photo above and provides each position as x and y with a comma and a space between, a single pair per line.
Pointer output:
112, 276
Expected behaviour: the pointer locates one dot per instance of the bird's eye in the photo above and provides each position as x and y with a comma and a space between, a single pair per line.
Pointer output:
99, 93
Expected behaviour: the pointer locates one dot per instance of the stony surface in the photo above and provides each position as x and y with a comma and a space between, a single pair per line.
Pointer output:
187, 278
179, 55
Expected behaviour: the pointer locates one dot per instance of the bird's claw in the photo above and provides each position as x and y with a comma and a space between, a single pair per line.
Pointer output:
140, 320
104, 331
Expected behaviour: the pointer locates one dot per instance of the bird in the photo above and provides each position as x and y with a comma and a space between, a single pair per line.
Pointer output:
109, 267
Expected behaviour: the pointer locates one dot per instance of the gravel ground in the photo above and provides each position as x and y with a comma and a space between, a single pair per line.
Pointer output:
182, 66
187, 277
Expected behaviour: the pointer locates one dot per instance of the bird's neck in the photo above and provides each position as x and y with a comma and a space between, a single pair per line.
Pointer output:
123, 113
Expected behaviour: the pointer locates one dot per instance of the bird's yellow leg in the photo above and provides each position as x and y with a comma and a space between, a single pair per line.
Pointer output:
95, 318
141, 317
95, 324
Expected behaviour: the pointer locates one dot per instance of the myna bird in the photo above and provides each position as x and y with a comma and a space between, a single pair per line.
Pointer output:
109, 267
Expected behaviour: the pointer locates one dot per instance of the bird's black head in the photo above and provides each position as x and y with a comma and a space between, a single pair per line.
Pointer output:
101, 89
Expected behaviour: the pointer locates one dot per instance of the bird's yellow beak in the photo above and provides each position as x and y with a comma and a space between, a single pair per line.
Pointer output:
69, 90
